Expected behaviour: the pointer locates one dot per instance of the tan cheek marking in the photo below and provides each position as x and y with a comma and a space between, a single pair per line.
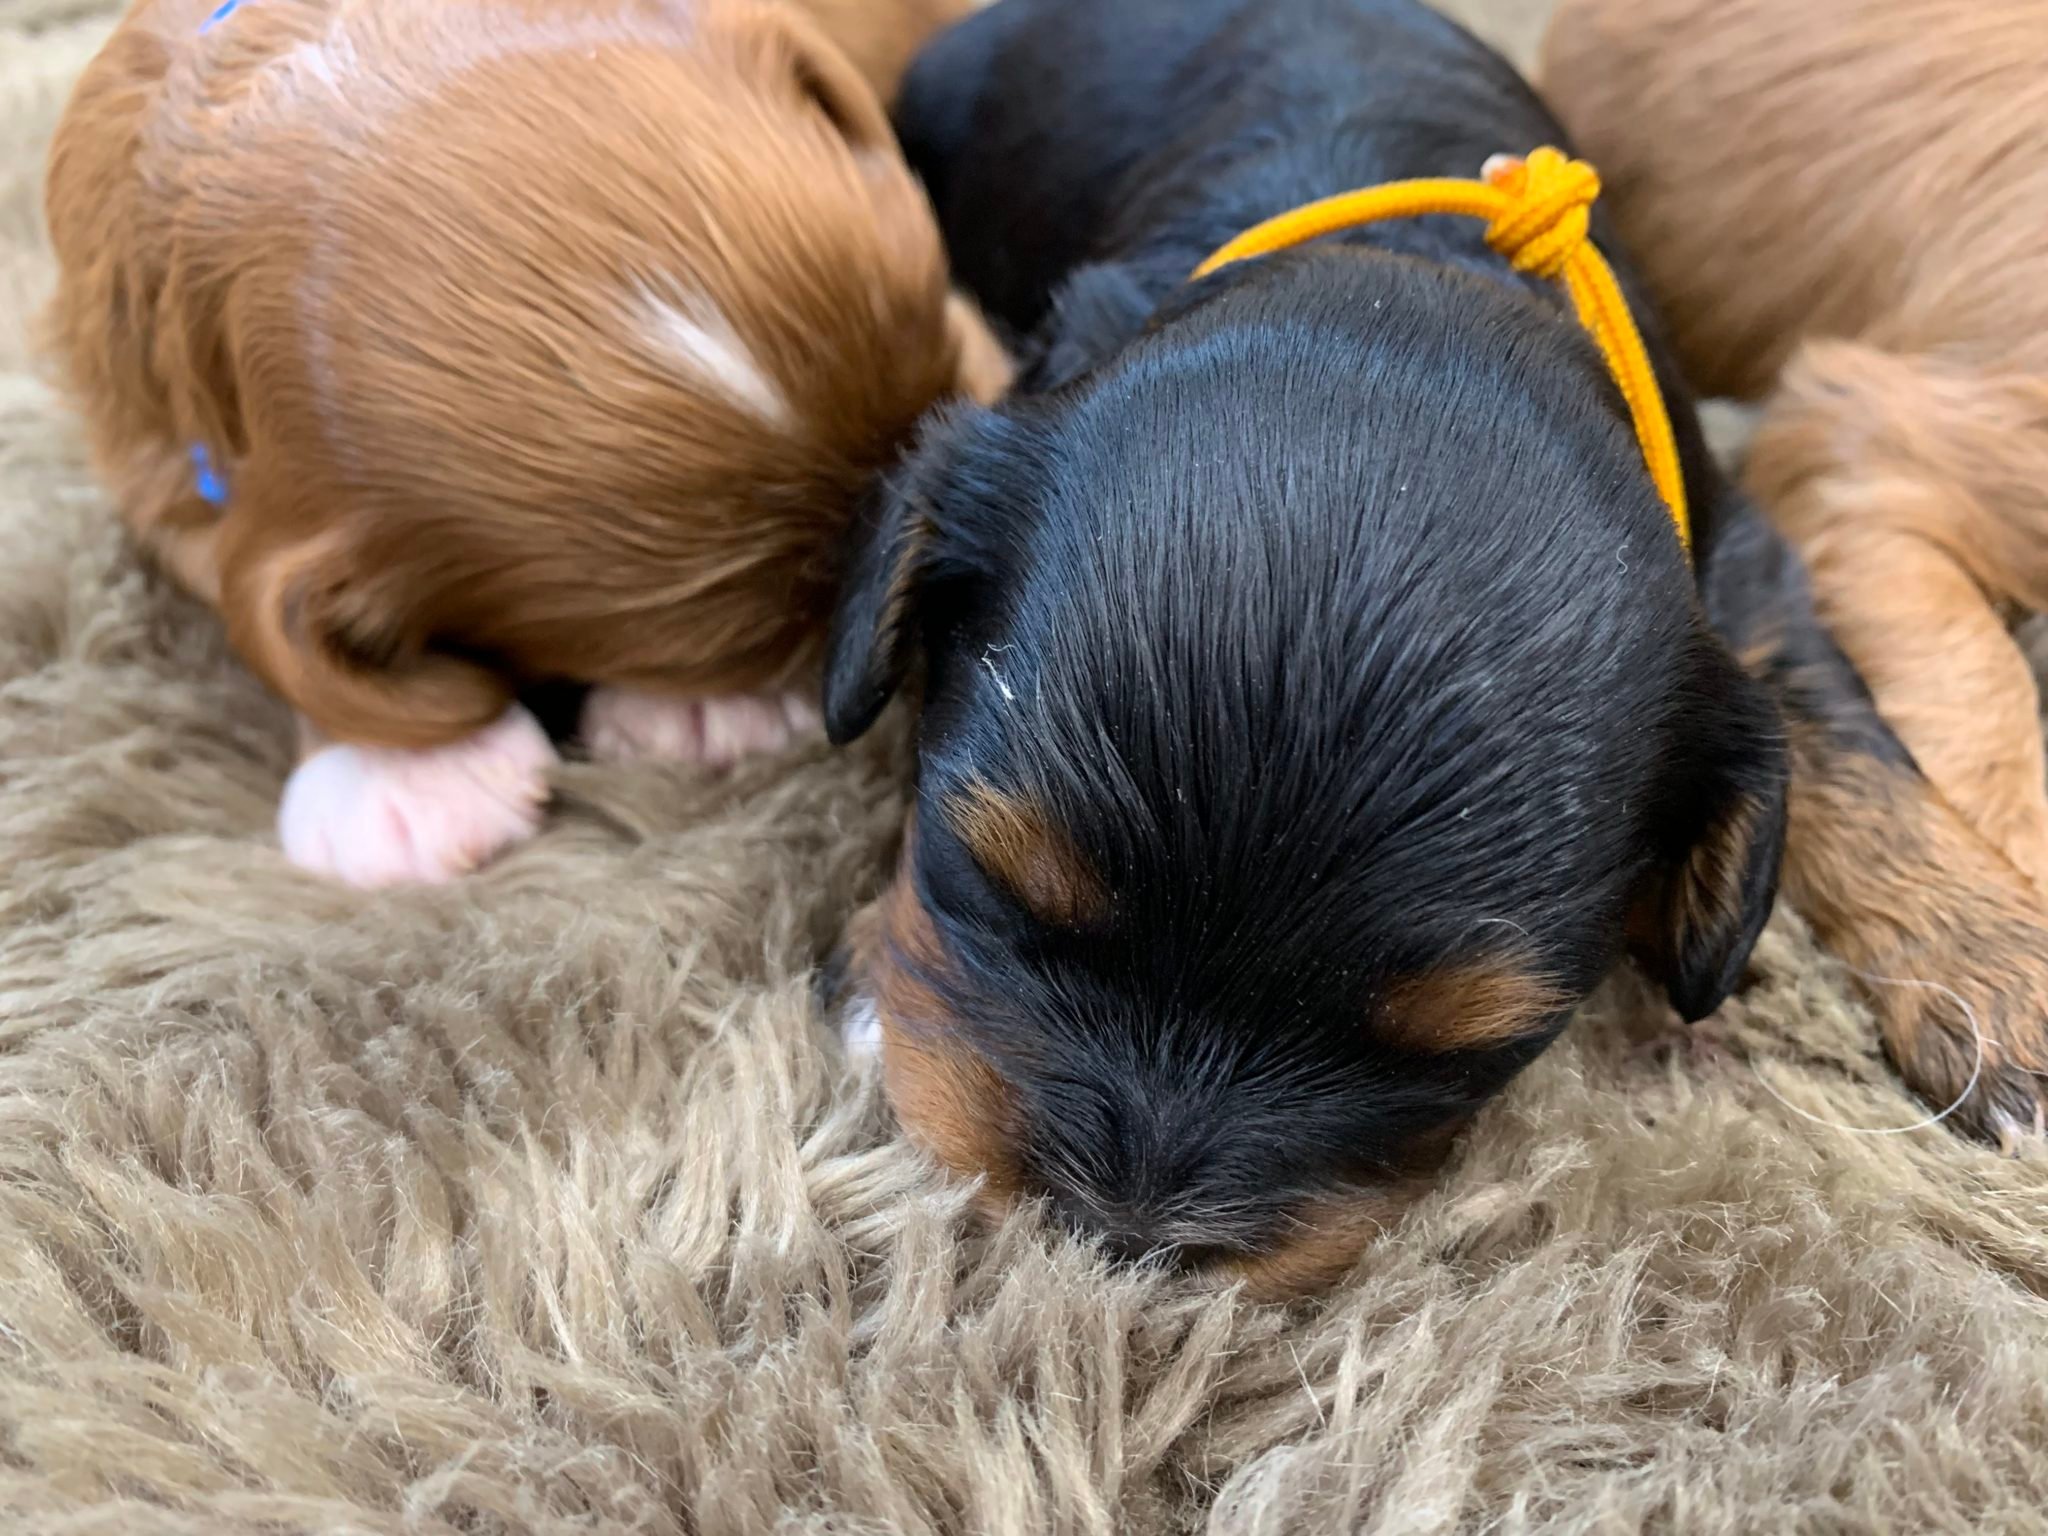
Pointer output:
948, 1100
1332, 1235
1014, 843
1467, 1007
952, 1104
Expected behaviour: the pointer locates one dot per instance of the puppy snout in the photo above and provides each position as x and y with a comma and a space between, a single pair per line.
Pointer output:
1124, 1236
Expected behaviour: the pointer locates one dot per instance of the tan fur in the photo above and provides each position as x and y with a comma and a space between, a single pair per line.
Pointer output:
948, 1100
882, 39
1948, 938
1327, 1241
1838, 202
1467, 1007
1015, 846
415, 270
951, 1104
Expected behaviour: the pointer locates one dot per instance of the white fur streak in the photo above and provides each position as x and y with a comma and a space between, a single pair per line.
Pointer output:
693, 332
860, 1031
344, 65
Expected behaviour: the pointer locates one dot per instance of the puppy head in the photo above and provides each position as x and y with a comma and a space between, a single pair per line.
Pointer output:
1312, 707
597, 329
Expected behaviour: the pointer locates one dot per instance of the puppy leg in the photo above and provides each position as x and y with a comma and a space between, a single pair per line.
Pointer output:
1945, 674
429, 768
1887, 475
1946, 939
629, 725
151, 480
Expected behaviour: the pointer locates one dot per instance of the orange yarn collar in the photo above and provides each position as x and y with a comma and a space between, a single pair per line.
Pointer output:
1536, 213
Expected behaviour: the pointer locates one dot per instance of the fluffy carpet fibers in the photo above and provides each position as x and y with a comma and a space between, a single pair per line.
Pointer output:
544, 1204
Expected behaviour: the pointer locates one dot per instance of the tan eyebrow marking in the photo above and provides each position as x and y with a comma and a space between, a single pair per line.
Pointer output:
1012, 841
1468, 1006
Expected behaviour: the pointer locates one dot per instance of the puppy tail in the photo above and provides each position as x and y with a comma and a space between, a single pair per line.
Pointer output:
315, 638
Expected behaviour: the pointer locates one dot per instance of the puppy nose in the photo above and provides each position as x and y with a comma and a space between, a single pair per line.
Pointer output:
1123, 1236
1135, 1248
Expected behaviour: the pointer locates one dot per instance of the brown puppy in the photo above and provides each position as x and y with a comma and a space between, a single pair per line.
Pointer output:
450, 344
1839, 202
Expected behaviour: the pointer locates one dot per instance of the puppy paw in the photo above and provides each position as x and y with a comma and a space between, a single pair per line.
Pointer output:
1960, 991
1968, 1030
379, 816
1946, 940
625, 725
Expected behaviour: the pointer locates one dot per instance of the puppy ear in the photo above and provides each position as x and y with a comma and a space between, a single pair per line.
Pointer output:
1096, 313
831, 82
318, 633
914, 528
1724, 825
867, 651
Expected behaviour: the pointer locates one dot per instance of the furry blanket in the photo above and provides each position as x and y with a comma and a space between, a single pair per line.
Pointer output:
544, 1204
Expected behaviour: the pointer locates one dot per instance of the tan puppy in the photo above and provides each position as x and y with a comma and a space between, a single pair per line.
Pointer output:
1839, 203
1841, 200
450, 344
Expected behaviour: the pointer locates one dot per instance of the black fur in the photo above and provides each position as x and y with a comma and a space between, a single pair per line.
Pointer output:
1325, 605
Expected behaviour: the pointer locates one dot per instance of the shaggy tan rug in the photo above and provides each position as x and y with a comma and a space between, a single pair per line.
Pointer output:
544, 1205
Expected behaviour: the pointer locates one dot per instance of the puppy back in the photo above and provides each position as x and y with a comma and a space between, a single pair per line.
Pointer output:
1844, 168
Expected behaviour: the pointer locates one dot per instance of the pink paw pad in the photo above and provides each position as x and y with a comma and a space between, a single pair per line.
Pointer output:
378, 816
625, 725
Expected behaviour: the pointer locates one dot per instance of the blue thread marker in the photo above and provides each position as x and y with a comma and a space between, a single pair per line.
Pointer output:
212, 489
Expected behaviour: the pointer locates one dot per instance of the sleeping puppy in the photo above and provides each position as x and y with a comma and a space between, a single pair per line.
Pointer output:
1905, 337
1316, 691
1839, 204
450, 346
1317, 698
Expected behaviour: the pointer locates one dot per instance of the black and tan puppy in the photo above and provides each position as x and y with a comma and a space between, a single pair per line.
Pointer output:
1318, 695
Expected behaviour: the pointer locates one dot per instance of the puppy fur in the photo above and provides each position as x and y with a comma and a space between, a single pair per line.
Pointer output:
532, 338
1837, 202
880, 39
1316, 692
